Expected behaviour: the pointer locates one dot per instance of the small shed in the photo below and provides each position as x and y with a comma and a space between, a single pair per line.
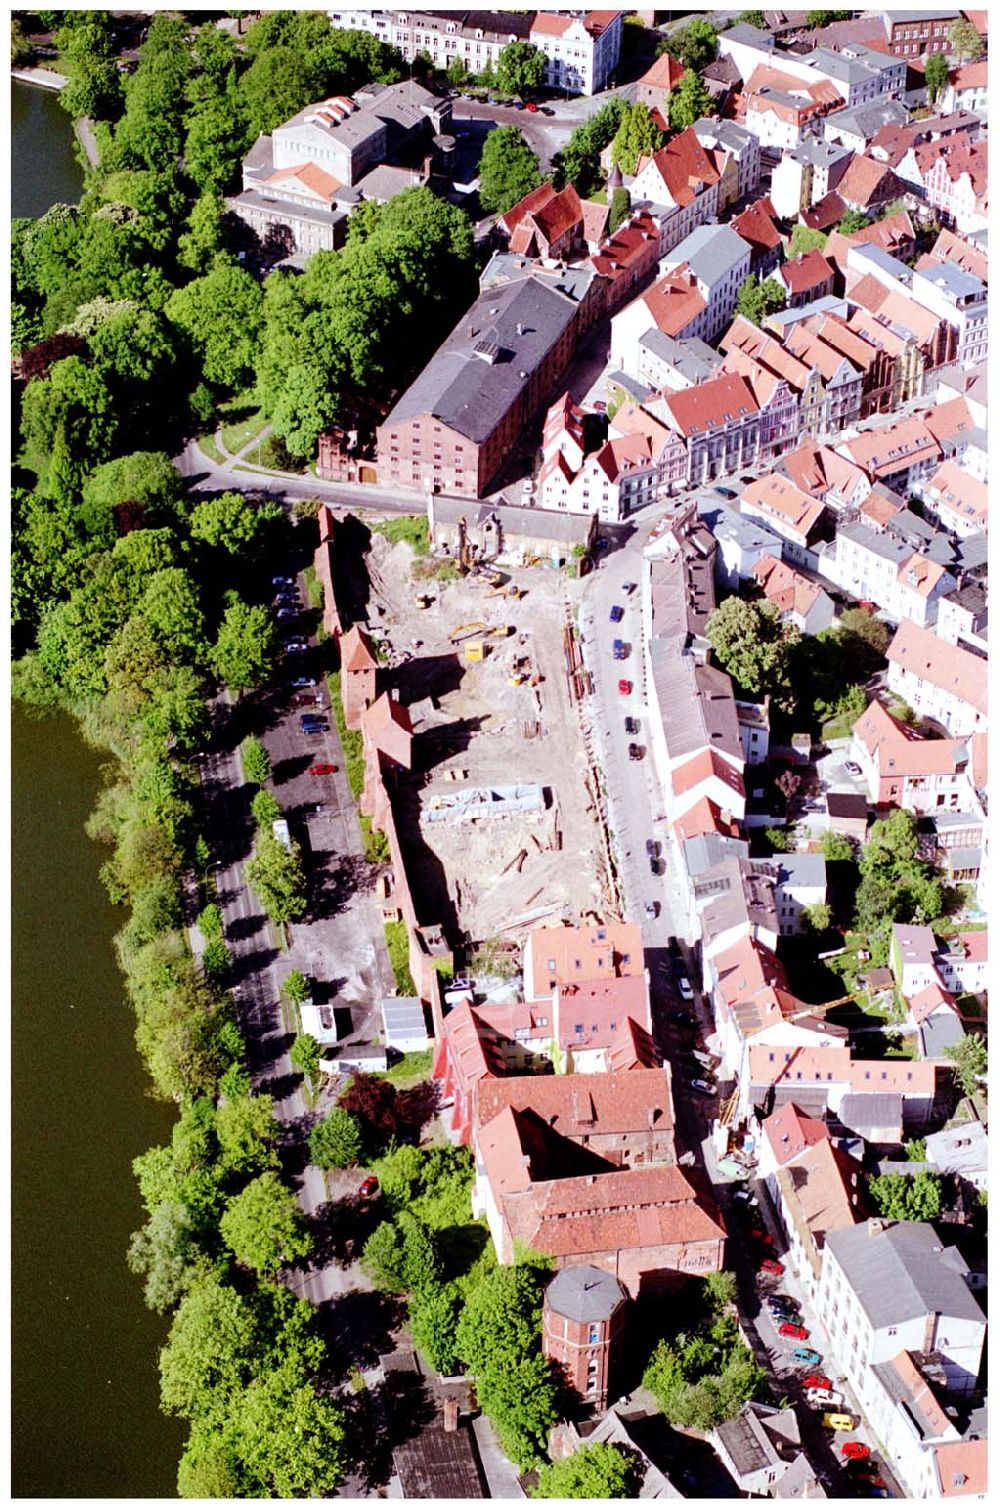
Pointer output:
360, 1057
404, 1025
319, 1021
848, 814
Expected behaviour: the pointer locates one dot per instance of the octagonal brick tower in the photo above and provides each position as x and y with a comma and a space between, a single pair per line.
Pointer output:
583, 1325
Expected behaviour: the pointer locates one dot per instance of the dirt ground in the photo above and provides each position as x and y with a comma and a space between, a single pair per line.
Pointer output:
472, 729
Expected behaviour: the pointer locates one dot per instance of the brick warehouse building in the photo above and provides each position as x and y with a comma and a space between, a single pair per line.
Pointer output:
583, 1326
458, 423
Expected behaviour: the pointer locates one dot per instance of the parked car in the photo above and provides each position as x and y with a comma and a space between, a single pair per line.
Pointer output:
701, 1087
628, 588
532, 108
624, 687
774, 1267
823, 1396
855, 1450
806, 1357
841, 1422
617, 613
792, 1331
652, 847
817, 1383
655, 867
724, 492
296, 644
619, 649
282, 580
322, 769
601, 407
875, 1489
301, 680
603, 545
743, 1195
315, 725
631, 724
286, 612
684, 986
759, 1234
851, 767
635, 751
369, 1187
652, 908
857, 1468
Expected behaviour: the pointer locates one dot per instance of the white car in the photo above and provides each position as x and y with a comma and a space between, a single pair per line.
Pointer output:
745, 1196
684, 987
820, 1397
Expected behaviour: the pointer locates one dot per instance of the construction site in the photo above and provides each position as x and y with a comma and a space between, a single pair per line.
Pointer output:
500, 815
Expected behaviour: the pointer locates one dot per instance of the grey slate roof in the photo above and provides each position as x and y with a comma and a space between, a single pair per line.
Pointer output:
712, 252
866, 1112
710, 848
472, 396
694, 359
635, 389
800, 868
697, 701
955, 280
900, 1392
885, 545
816, 152
897, 1274
528, 523
585, 1294
939, 1032
402, 1016
749, 533
742, 32
868, 120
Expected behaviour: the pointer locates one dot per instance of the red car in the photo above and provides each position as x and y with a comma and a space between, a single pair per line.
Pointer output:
822, 1382
855, 1451
532, 107
368, 1188
793, 1331
322, 769
774, 1267
762, 1235
624, 687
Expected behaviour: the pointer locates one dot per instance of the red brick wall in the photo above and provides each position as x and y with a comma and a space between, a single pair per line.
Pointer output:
569, 1344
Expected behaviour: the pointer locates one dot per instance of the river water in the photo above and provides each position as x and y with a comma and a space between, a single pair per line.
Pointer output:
85, 1410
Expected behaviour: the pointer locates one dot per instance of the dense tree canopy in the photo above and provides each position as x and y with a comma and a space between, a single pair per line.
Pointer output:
508, 169
689, 101
914, 1196
637, 136
520, 68
753, 646
599, 1471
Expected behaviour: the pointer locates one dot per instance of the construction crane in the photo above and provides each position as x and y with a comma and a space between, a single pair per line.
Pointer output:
463, 631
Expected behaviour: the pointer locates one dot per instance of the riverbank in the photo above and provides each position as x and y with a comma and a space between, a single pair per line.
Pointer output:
43, 78
83, 129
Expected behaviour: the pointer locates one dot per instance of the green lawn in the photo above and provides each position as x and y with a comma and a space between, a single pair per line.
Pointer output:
206, 443
414, 1068
398, 944
410, 529
242, 430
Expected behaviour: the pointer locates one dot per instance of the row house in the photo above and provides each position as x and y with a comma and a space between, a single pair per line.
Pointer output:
857, 128
889, 1286
911, 1412
581, 49
544, 223
614, 481
898, 145
962, 619
646, 1225
859, 74
917, 34
954, 176
751, 351
902, 768
896, 371
776, 400
825, 1079
741, 544
805, 278
814, 1188
920, 960
741, 151
626, 1120
803, 177
960, 298
868, 185
967, 88
800, 601
896, 307
793, 515
666, 364
678, 581
457, 423
781, 118
558, 955
756, 225
940, 681
719, 261
825, 475
957, 500
895, 235
680, 183
899, 454
720, 425
881, 568
666, 448
675, 306
626, 261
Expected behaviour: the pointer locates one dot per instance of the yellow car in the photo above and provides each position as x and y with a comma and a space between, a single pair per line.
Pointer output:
838, 1421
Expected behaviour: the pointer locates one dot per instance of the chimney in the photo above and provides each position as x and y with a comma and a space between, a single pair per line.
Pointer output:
875, 1227
450, 1420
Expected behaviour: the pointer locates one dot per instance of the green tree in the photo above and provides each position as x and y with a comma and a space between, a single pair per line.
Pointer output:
579, 161
291, 1441
171, 607
277, 85
216, 960
689, 101
695, 44
221, 316
916, 1150
852, 221
432, 1314
817, 917
201, 243
20, 47
964, 41
296, 987
508, 169
266, 809
600, 1471
305, 1056
915, 1196
836, 848
276, 877
210, 922
753, 646
304, 408
753, 18
456, 73
263, 1226
969, 1063
720, 1290
256, 761
520, 1401
335, 1141
208, 1356
235, 524
637, 136
803, 239
164, 1251
72, 404
501, 1319
244, 651
756, 300
935, 75
520, 68
621, 208
858, 626
217, 136
247, 1133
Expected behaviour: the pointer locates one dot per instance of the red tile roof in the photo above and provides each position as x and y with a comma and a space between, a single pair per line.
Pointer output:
776, 495
674, 302
665, 73
962, 1468
705, 766
711, 405
685, 167
806, 272
883, 452
826, 212
357, 652
550, 25
945, 666
756, 225
898, 750
866, 183
583, 1104
789, 1132
613, 948
704, 816
785, 588
949, 419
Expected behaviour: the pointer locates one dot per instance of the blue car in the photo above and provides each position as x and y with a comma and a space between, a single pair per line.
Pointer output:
617, 613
